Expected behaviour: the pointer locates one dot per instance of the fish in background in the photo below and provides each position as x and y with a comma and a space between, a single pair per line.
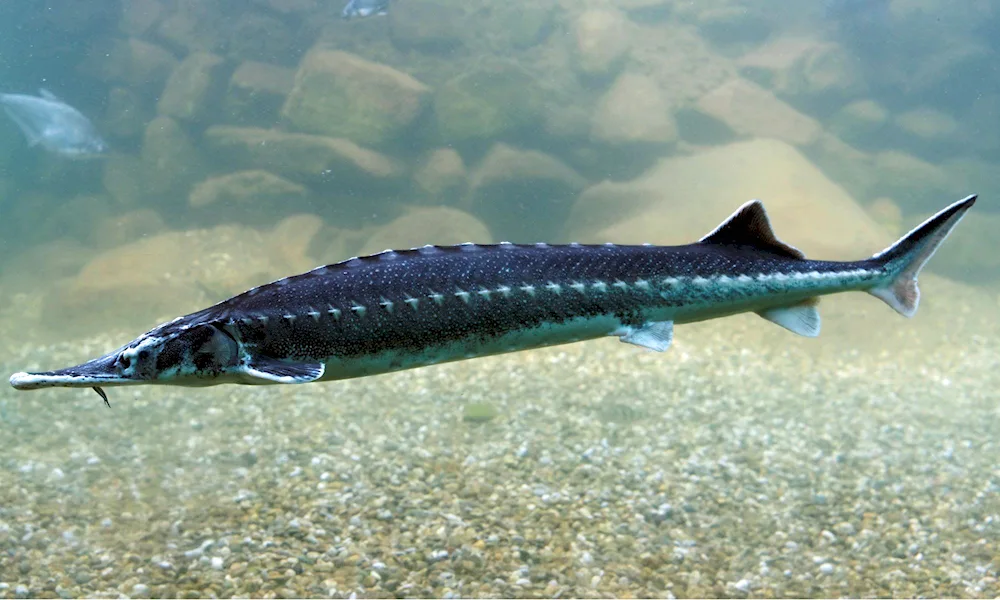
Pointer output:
365, 8
47, 121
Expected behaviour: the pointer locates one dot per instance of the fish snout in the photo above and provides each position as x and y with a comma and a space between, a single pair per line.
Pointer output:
100, 371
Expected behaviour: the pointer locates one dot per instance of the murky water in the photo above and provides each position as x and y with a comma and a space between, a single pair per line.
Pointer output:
248, 141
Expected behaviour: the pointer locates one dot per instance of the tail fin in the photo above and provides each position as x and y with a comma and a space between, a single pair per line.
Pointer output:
908, 256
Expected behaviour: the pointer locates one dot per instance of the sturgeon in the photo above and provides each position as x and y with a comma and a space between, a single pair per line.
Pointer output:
401, 309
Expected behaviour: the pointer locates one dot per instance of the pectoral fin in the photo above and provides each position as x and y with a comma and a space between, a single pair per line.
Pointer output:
655, 335
802, 318
269, 370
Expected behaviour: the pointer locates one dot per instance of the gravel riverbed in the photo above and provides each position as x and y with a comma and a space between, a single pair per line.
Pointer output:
744, 462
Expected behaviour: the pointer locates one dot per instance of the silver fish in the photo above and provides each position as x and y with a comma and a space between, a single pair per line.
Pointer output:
365, 8
409, 308
49, 122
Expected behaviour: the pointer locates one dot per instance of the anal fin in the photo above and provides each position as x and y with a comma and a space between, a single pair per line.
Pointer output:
270, 370
655, 335
801, 318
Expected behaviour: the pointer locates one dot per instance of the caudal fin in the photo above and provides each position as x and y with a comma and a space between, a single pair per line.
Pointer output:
908, 256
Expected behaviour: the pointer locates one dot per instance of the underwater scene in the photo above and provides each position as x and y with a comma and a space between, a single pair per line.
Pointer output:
160, 156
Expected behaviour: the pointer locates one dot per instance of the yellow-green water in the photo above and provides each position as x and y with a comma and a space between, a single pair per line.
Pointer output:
252, 141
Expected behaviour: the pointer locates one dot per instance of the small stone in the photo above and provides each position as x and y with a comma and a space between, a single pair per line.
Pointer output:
217, 563
826, 568
743, 585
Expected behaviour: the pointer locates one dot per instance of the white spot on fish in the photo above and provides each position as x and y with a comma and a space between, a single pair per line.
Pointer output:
263, 319
620, 284
313, 313
555, 288
388, 254
541, 245
354, 262
671, 281
428, 249
387, 305
413, 302
528, 289
462, 295
289, 317
744, 279
485, 293
505, 290
506, 245
642, 284
701, 281
333, 312
359, 310
609, 245
468, 247
599, 286
574, 245
436, 297
578, 287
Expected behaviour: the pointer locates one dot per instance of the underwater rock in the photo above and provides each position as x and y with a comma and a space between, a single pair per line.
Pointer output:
244, 190
192, 87
479, 412
138, 16
122, 228
431, 26
123, 178
75, 218
171, 161
132, 62
343, 95
750, 110
861, 121
126, 114
194, 26
262, 37
140, 283
803, 67
918, 184
683, 198
256, 92
428, 225
928, 124
486, 102
851, 168
300, 156
523, 194
441, 176
603, 40
634, 110
520, 25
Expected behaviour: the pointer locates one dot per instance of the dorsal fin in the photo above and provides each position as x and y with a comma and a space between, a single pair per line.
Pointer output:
749, 226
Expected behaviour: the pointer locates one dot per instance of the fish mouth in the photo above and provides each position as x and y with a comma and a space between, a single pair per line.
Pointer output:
93, 373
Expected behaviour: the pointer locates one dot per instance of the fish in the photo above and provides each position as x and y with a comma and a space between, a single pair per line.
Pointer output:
365, 8
402, 309
47, 121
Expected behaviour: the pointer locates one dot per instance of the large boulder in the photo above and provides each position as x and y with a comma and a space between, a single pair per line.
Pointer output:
192, 87
603, 39
431, 225
752, 111
634, 110
343, 95
682, 198
257, 91
171, 161
254, 192
523, 194
162, 276
299, 156
427, 26
486, 102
